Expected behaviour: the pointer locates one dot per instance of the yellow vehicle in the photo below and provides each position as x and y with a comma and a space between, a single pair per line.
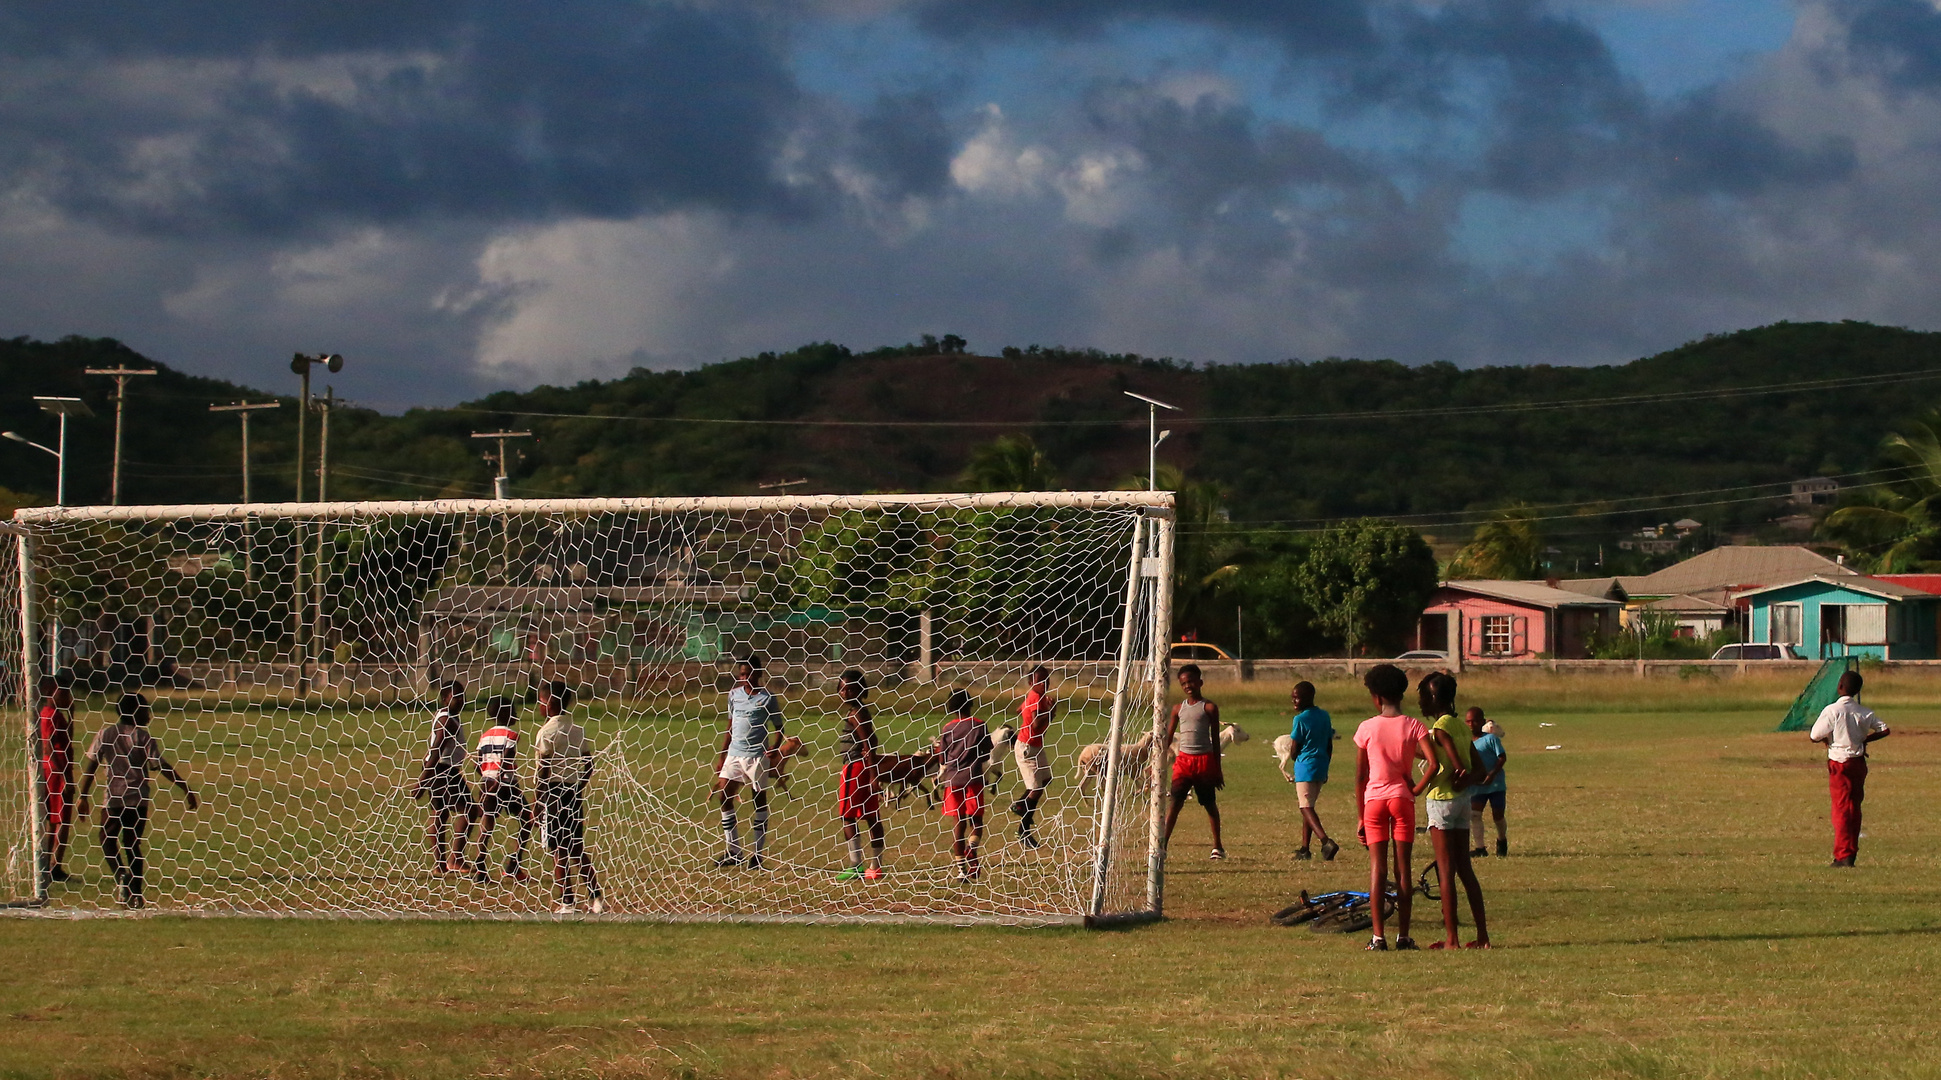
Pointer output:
1198, 650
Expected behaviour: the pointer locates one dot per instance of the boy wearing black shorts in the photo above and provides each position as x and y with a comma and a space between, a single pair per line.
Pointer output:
498, 762
129, 753
443, 779
565, 758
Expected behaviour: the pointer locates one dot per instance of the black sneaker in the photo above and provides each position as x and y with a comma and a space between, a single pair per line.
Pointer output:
1302, 854
1376, 945
1028, 840
1407, 944
1502, 848
1329, 848
58, 874
1479, 853
755, 862
726, 862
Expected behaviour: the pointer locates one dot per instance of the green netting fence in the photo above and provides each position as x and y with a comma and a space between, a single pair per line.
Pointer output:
1820, 692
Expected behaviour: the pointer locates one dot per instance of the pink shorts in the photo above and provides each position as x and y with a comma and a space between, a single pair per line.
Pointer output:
1388, 819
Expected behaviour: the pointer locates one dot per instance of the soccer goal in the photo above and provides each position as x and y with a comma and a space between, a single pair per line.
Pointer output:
291, 659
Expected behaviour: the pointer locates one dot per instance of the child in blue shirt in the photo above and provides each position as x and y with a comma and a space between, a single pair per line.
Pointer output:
1490, 759
1313, 735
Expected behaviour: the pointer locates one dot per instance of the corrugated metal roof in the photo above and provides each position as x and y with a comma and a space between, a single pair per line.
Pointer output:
1725, 567
1857, 582
1533, 593
1688, 604
1595, 586
1928, 583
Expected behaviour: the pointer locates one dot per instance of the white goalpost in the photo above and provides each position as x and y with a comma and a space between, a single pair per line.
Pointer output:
289, 661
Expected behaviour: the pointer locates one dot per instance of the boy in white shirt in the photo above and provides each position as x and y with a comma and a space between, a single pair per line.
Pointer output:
1846, 727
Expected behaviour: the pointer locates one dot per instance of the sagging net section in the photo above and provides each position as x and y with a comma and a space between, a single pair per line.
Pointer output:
428, 709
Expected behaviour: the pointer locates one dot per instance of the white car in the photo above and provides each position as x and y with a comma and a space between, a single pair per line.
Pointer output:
1756, 651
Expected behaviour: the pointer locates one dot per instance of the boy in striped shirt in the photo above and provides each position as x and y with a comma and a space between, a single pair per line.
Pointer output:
498, 763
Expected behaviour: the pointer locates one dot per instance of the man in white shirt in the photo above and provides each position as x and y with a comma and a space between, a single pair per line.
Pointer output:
1846, 727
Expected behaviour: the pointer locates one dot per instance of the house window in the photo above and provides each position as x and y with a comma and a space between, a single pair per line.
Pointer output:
1854, 624
1786, 625
1496, 635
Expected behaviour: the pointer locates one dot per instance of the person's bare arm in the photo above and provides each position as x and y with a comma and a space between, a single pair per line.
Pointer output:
1172, 728
168, 772
87, 783
1876, 736
1427, 749
1502, 759
1361, 790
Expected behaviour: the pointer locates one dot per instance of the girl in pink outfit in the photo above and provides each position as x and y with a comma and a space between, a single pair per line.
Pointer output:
1387, 746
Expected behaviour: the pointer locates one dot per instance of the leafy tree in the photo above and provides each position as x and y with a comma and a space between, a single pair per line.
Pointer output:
1009, 463
1366, 581
1508, 546
1897, 526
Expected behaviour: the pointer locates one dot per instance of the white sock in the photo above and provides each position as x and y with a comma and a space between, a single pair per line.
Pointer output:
733, 834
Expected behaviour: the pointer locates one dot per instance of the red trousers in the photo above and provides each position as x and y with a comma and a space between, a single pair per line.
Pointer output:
1847, 782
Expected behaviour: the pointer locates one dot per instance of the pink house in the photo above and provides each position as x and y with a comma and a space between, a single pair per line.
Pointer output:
1513, 620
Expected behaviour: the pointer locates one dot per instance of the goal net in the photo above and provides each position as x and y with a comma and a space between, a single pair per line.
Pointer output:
288, 660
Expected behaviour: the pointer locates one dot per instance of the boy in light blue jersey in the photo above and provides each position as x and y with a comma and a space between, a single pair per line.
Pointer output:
754, 728
1492, 791
1313, 735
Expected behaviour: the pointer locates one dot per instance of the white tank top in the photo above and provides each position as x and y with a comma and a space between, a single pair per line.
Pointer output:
1195, 732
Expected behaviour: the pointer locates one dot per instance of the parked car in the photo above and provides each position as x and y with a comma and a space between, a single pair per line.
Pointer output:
1424, 656
1198, 650
1754, 651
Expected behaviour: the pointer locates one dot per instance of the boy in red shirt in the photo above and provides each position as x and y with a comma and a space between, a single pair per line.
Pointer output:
56, 746
1387, 745
964, 753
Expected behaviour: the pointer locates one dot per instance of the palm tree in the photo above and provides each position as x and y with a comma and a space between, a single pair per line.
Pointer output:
1897, 525
1009, 463
1508, 546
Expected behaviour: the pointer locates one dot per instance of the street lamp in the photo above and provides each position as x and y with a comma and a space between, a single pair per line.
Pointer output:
1154, 436
301, 363
62, 407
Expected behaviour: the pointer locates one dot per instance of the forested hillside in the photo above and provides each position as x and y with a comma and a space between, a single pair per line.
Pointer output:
1362, 443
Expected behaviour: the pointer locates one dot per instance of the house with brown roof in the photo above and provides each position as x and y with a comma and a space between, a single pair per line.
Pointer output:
1700, 591
1513, 620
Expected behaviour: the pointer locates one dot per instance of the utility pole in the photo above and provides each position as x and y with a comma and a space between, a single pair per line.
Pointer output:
324, 405
501, 483
121, 375
242, 409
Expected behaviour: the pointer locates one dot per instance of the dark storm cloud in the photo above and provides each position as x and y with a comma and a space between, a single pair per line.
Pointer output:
1303, 26
224, 28
905, 141
520, 111
1900, 40
1706, 148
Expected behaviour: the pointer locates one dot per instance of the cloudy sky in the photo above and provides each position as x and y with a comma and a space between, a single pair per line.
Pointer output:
465, 195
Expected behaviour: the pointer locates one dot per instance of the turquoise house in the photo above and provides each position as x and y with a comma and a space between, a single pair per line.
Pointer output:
1831, 616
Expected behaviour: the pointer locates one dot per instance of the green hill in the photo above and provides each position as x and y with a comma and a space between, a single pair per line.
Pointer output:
713, 430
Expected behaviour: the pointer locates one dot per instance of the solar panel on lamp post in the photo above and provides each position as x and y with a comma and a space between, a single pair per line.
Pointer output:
62, 407
1154, 436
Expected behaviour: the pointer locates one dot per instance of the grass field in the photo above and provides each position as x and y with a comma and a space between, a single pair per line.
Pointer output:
1666, 912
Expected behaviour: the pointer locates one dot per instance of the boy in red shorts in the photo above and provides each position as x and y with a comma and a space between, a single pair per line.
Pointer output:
1387, 746
859, 797
964, 755
56, 752
1194, 735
